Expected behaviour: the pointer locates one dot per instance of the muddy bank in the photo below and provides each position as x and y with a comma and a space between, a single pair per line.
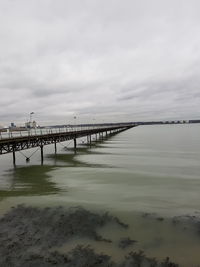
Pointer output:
32, 236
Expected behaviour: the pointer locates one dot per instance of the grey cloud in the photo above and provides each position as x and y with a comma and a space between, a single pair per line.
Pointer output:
105, 59
184, 88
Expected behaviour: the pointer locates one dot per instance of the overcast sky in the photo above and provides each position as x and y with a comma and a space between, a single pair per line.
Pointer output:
111, 60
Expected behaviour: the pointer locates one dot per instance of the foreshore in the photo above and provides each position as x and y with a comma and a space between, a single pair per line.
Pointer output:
31, 236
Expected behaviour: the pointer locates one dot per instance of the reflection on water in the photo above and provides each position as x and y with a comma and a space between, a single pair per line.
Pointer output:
30, 181
72, 159
36, 179
145, 169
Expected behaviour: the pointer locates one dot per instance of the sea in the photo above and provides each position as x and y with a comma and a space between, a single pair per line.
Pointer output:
147, 176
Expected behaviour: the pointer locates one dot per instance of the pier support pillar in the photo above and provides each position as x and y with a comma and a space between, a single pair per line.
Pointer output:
90, 139
55, 145
14, 158
75, 143
42, 154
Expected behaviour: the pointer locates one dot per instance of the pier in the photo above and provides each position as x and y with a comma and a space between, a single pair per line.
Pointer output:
13, 144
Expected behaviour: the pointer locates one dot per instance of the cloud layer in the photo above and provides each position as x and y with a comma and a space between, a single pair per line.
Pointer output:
99, 60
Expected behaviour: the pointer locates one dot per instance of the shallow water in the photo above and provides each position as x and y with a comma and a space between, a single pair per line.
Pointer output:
156, 238
154, 169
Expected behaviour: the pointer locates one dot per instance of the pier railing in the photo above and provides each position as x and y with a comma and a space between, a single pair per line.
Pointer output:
12, 133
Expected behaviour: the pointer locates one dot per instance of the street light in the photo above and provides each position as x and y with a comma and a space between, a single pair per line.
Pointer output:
75, 122
93, 123
31, 113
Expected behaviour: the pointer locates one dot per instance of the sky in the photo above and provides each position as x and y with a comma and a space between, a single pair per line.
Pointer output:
99, 60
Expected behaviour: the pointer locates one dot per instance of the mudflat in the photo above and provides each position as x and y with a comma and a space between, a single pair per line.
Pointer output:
31, 236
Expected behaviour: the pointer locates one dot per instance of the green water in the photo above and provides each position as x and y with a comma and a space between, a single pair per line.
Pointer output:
152, 169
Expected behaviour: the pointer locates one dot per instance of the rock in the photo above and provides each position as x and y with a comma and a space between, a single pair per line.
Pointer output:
126, 242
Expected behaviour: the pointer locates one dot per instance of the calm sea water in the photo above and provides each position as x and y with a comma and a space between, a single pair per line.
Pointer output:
154, 169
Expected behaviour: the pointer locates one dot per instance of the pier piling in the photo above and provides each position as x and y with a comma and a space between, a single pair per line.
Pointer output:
75, 143
55, 145
14, 158
42, 154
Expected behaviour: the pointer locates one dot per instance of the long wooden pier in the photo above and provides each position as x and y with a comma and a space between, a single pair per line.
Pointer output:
14, 144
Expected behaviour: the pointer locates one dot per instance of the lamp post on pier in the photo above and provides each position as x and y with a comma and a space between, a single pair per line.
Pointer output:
31, 113
75, 122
